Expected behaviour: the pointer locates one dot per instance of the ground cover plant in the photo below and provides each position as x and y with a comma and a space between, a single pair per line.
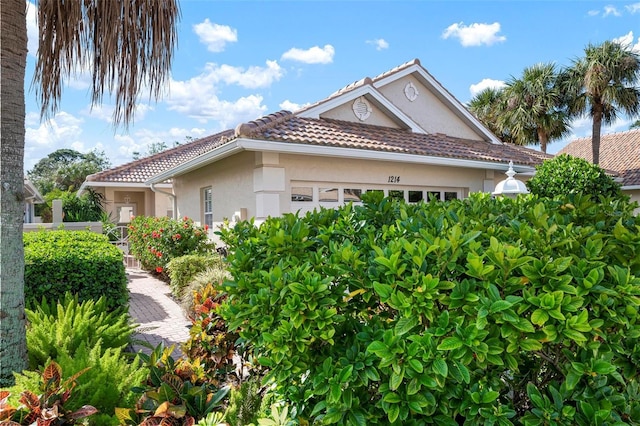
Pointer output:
476, 311
80, 262
155, 241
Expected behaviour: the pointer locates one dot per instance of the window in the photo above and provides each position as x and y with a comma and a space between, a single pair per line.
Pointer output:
207, 206
352, 195
415, 196
301, 193
328, 195
448, 196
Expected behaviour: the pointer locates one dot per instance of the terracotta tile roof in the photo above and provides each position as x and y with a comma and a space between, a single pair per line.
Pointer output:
619, 152
141, 170
281, 127
285, 127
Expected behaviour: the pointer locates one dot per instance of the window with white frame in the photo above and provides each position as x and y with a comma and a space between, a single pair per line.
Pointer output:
207, 206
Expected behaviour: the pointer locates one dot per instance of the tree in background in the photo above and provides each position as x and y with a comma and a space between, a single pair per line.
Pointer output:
127, 46
487, 106
533, 112
602, 84
635, 125
66, 169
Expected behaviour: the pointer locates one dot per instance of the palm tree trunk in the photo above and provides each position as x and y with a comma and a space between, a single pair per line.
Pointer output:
13, 47
543, 138
595, 132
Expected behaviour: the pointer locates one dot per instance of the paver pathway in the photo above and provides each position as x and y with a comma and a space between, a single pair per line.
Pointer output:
159, 317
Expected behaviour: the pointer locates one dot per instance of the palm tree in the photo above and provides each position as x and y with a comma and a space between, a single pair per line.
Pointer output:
487, 106
602, 84
125, 44
533, 112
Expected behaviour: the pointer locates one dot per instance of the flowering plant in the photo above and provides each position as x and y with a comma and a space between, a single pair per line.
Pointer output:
154, 241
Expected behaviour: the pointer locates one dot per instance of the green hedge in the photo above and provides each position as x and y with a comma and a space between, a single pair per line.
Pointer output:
80, 262
474, 312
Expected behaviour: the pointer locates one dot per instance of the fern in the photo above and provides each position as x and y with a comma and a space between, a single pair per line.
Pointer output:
245, 404
105, 385
59, 328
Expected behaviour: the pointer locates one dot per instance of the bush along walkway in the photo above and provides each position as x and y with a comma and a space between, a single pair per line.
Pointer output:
160, 319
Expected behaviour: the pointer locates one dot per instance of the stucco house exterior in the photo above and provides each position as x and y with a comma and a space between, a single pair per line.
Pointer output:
400, 132
619, 153
32, 197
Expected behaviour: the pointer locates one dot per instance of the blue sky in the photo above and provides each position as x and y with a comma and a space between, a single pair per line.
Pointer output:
239, 60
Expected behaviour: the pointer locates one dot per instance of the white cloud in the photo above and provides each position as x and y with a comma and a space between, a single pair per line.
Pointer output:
251, 78
611, 10
290, 106
475, 34
62, 131
314, 55
379, 43
627, 40
215, 36
32, 29
593, 12
104, 111
485, 84
198, 96
633, 8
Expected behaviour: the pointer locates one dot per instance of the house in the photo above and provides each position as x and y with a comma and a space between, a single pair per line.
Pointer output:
31, 197
400, 133
619, 153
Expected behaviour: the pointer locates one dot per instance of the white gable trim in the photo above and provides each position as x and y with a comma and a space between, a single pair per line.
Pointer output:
442, 94
243, 144
316, 111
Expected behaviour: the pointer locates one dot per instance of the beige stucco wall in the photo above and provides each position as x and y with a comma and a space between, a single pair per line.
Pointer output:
261, 184
427, 110
231, 180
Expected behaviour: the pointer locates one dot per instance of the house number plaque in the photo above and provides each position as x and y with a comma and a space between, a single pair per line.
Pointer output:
394, 179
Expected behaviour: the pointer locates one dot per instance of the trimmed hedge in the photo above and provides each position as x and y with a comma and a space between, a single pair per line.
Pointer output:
478, 312
79, 262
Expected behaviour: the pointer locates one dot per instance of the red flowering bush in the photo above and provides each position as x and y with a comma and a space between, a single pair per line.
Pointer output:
154, 241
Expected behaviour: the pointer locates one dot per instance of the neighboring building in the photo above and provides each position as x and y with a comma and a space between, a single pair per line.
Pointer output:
619, 153
400, 133
31, 197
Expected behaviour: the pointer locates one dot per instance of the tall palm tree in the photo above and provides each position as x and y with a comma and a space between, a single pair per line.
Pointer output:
125, 44
533, 112
487, 106
602, 84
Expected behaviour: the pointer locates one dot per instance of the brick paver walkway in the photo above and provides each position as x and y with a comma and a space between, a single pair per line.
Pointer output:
159, 317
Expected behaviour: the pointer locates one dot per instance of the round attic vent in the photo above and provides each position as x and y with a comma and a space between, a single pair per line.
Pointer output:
362, 108
411, 92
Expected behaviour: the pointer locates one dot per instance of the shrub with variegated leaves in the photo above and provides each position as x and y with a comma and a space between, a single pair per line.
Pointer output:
476, 311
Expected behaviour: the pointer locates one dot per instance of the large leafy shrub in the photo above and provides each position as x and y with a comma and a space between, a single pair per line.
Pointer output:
183, 269
155, 241
79, 262
565, 174
474, 311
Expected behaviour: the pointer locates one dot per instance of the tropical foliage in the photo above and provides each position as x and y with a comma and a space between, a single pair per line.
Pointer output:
601, 85
477, 311
565, 174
